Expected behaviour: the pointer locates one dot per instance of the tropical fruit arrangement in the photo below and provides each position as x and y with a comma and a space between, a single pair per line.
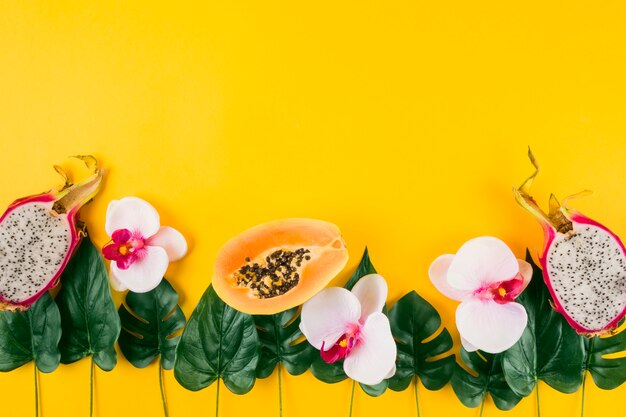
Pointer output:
269, 307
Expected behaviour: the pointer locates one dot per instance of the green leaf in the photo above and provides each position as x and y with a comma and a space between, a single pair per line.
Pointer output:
549, 348
88, 316
607, 373
150, 322
365, 268
488, 379
330, 373
333, 372
282, 341
31, 335
218, 342
414, 320
375, 390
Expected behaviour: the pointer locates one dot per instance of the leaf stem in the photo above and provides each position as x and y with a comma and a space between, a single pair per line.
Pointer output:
582, 405
91, 378
585, 370
482, 404
417, 404
352, 396
280, 393
538, 403
36, 391
217, 397
165, 413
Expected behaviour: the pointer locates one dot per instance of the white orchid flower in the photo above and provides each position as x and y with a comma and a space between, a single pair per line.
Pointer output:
350, 325
140, 248
486, 277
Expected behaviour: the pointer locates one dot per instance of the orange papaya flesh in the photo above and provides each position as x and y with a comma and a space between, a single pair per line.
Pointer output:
278, 265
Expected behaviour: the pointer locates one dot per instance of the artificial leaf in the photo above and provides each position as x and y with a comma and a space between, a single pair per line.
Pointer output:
218, 342
150, 322
375, 390
281, 341
607, 373
488, 379
31, 335
327, 372
88, 316
333, 372
413, 320
365, 268
549, 348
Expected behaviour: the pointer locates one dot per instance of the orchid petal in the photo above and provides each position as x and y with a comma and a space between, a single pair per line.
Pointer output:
134, 214
328, 316
121, 236
490, 326
112, 252
374, 357
171, 240
481, 261
438, 273
124, 262
116, 284
371, 291
526, 270
468, 346
334, 354
145, 273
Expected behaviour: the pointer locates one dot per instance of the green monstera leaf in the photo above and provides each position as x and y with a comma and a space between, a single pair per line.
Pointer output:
486, 377
31, 335
219, 342
549, 349
365, 267
414, 320
607, 373
150, 322
333, 372
88, 316
281, 342
329, 373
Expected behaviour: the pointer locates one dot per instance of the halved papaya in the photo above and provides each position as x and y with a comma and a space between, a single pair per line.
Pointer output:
278, 265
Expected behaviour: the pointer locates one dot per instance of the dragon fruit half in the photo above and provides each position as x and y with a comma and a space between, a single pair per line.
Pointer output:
583, 262
38, 235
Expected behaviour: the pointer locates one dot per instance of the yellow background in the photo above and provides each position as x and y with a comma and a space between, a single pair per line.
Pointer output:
405, 123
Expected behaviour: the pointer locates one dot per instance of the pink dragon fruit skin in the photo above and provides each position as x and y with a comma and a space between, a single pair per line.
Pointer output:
38, 235
583, 262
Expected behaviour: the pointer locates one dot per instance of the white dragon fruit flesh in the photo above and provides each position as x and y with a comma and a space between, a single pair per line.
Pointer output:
583, 262
38, 235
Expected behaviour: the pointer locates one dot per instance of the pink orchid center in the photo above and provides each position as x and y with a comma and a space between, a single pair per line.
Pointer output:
501, 292
125, 248
343, 346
